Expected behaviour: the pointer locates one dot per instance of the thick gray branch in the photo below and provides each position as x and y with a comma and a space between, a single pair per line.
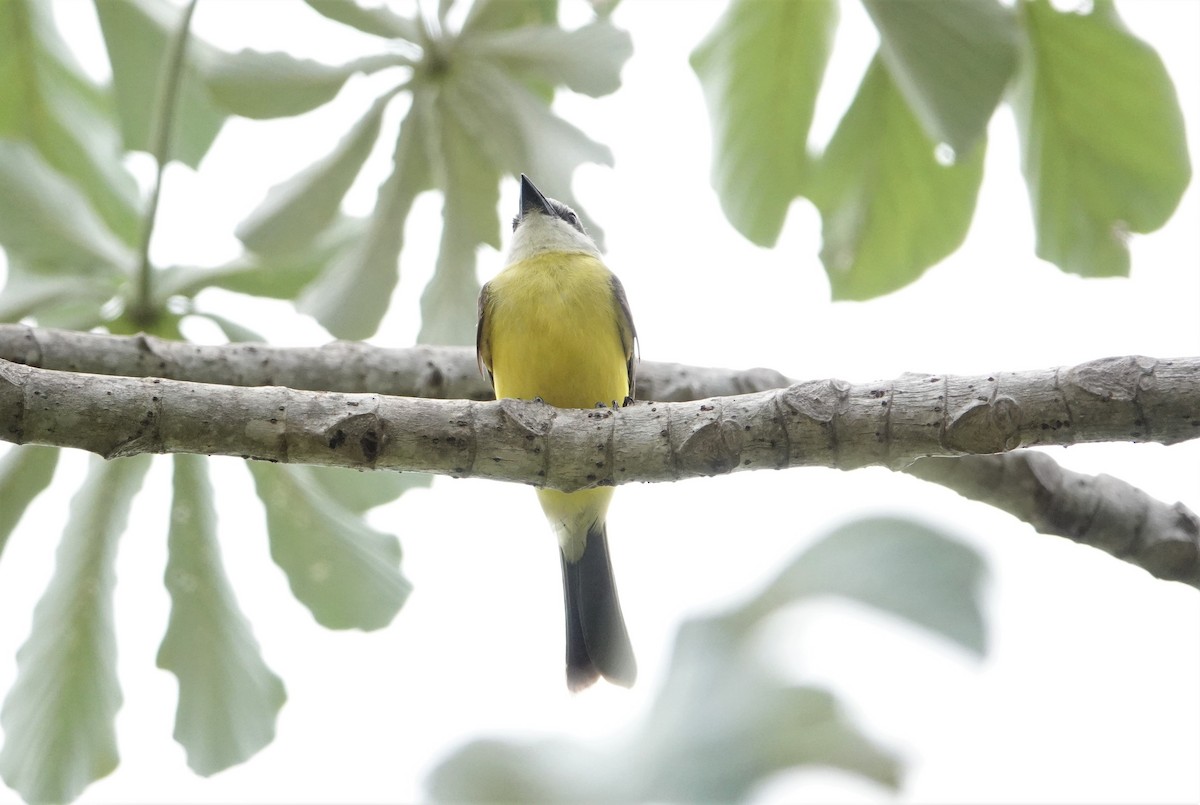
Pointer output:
1096, 510
443, 373
818, 423
828, 423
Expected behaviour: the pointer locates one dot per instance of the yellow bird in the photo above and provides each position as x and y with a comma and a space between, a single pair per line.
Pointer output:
554, 324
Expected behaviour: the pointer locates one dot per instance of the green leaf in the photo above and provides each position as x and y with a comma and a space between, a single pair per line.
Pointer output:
351, 296
228, 697
889, 208
500, 15
951, 61
489, 124
63, 300
274, 276
268, 85
45, 221
1102, 137
760, 69
586, 60
300, 208
375, 20
735, 737
360, 490
235, 332
900, 566
470, 184
50, 103
58, 718
137, 34
724, 720
345, 572
24, 472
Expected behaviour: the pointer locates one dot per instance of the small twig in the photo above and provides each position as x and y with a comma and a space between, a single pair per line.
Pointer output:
143, 313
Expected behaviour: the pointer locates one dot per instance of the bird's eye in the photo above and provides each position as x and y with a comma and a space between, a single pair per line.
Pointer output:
516, 220
573, 219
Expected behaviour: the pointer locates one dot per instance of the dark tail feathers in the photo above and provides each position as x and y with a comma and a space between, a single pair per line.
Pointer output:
597, 642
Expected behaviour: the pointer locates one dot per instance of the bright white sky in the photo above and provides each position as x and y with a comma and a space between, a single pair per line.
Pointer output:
1090, 692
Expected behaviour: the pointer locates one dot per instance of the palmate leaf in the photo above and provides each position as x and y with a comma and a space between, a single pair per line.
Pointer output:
59, 734
344, 571
479, 111
360, 491
501, 15
25, 472
889, 208
49, 102
375, 20
1102, 137
582, 60
268, 85
351, 296
228, 697
295, 212
48, 224
276, 276
490, 124
64, 300
899, 566
725, 720
951, 61
760, 69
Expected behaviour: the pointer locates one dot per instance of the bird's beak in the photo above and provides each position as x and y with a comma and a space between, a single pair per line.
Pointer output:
532, 199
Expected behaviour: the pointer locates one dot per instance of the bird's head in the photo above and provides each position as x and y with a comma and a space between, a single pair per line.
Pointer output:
546, 225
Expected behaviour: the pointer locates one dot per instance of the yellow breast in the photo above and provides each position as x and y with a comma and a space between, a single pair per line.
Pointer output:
553, 328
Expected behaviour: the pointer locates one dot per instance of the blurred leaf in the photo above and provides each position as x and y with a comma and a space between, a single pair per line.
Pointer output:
49, 102
360, 490
951, 61
1102, 137
297, 210
724, 721
47, 223
58, 716
164, 325
376, 20
900, 566
274, 276
500, 15
351, 296
889, 209
228, 697
25, 471
235, 332
489, 125
268, 85
345, 572
587, 60
137, 34
63, 300
471, 186
760, 69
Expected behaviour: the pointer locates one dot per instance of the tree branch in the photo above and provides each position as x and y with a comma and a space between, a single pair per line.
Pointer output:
80, 398
1096, 510
433, 372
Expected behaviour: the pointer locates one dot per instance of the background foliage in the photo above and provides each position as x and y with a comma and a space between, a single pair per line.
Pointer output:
1103, 156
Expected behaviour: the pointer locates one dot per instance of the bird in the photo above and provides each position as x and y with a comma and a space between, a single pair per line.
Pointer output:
554, 325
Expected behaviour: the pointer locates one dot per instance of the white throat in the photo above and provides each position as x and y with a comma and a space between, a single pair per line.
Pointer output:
538, 234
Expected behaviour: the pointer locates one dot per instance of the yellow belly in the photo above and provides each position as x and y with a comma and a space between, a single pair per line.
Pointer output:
553, 331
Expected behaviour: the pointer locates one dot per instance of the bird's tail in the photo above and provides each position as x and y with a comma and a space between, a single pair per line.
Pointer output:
597, 642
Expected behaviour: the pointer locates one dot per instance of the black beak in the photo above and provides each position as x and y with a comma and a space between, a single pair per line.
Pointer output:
532, 199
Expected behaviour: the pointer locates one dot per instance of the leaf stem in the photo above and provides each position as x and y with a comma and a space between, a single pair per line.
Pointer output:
143, 313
